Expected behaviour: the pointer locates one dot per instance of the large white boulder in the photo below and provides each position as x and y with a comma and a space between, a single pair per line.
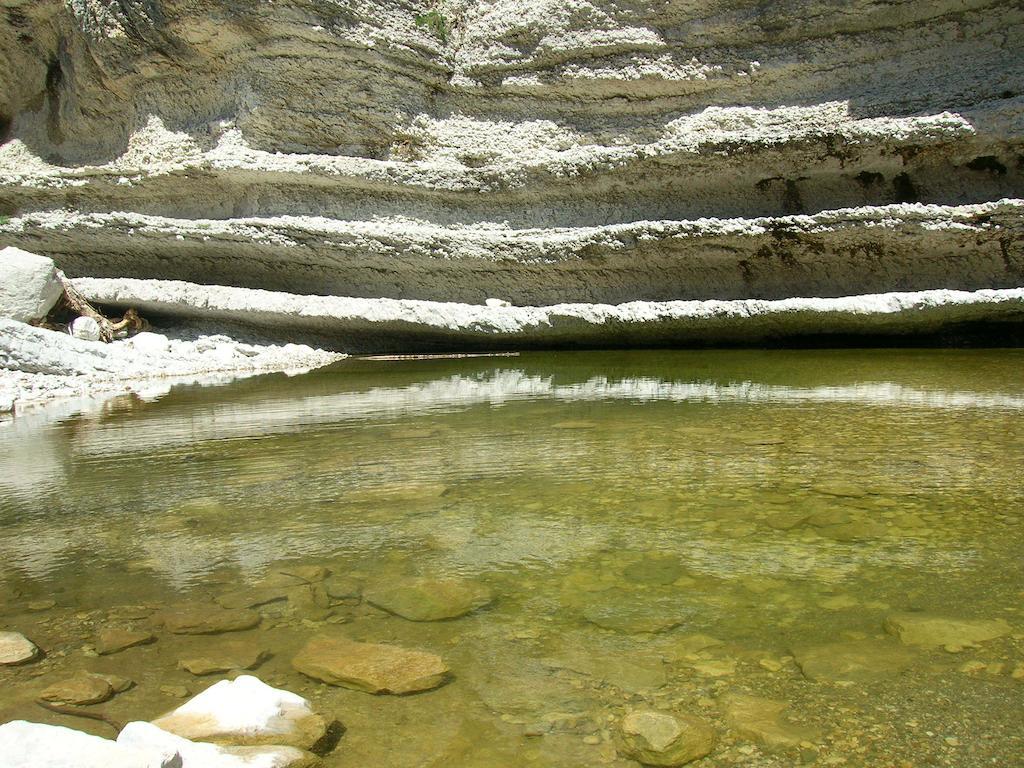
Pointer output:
246, 711
28, 285
139, 745
146, 737
34, 745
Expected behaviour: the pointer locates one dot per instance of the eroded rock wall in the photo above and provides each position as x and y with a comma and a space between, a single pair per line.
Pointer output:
545, 152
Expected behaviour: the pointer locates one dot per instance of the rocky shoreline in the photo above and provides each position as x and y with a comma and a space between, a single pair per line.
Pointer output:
39, 363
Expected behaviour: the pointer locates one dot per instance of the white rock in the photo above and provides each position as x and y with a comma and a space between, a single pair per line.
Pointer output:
53, 364
498, 303
15, 648
148, 738
85, 328
246, 711
33, 745
153, 344
28, 285
670, 321
222, 353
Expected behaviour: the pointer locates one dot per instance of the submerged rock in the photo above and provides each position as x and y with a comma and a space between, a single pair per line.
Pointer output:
114, 639
654, 569
856, 661
207, 620
370, 667
224, 657
635, 671
695, 643
658, 738
930, 631
863, 530
632, 613
308, 574
343, 588
423, 599
251, 597
245, 712
761, 720
787, 520
15, 648
840, 488
714, 667
85, 688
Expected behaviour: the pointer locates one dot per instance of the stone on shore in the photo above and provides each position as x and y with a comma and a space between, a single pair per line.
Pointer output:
761, 720
370, 667
150, 344
421, 599
931, 631
857, 661
658, 738
15, 648
224, 657
28, 285
114, 639
246, 712
85, 328
207, 620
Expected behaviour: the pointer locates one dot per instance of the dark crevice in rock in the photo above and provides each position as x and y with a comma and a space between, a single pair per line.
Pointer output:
55, 78
988, 163
869, 178
904, 189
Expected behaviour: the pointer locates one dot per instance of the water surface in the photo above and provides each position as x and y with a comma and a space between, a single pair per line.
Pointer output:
659, 529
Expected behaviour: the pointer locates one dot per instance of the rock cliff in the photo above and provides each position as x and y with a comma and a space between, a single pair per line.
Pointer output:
544, 152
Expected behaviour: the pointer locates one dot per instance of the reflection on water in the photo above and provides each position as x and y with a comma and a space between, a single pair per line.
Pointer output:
619, 506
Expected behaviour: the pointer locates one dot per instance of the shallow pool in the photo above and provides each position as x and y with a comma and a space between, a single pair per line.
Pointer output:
696, 532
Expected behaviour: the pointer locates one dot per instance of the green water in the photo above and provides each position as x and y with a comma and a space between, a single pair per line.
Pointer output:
659, 529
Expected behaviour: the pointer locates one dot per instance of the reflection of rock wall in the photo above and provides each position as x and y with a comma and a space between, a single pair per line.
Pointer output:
284, 415
383, 456
543, 152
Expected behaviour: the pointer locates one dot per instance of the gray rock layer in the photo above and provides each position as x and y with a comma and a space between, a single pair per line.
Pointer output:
540, 152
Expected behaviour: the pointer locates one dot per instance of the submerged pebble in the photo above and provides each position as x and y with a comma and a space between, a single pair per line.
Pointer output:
663, 739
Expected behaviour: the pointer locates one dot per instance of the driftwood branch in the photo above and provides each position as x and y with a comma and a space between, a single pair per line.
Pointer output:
109, 330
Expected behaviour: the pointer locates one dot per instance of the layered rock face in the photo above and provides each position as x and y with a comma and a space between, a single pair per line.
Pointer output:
545, 152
